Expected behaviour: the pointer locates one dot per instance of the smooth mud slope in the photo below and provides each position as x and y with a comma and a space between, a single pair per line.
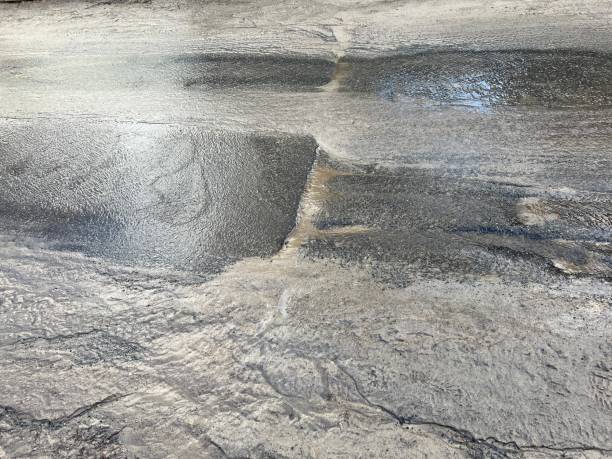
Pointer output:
151, 195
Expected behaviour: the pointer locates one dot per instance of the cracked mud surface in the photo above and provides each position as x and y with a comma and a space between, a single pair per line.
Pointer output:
351, 229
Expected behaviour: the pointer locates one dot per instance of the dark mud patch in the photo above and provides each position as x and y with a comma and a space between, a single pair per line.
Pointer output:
239, 70
555, 78
424, 222
151, 195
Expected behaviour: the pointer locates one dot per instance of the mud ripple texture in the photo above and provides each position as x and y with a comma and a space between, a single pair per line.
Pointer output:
340, 229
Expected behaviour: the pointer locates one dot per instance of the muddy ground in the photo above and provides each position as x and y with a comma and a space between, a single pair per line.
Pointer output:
334, 229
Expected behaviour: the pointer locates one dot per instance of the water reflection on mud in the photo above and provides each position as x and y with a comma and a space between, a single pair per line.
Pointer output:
488, 78
152, 195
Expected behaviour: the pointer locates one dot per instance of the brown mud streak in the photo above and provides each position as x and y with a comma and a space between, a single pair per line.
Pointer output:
315, 194
340, 73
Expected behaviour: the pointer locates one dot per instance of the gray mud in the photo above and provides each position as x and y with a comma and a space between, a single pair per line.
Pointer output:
405, 220
374, 229
152, 195
552, 78
271, 71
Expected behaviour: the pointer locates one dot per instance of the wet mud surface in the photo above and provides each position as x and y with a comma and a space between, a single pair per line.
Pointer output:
403, 221
555, 78
166, 196
276, 72
269, 230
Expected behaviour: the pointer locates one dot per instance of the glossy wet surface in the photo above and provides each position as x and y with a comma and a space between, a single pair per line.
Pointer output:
555, 78
152, 195
374, 229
